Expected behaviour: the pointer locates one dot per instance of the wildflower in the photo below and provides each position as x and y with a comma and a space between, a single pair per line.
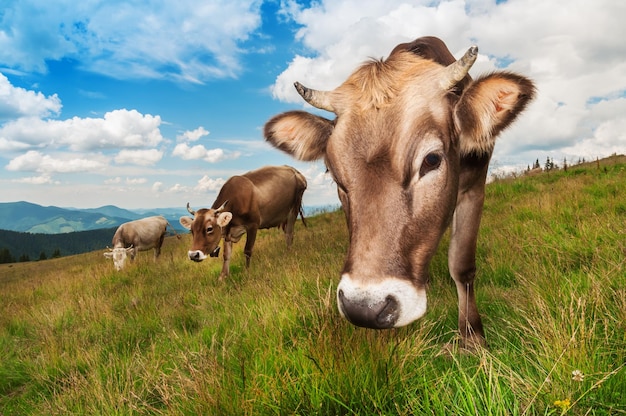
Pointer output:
578, 375
562, 404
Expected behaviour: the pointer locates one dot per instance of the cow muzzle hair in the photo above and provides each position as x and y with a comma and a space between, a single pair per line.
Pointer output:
389, 303
196, 255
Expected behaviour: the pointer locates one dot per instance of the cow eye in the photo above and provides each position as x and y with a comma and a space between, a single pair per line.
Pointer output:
431, 162
209, 229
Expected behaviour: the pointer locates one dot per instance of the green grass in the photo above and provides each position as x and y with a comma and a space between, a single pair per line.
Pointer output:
166, 338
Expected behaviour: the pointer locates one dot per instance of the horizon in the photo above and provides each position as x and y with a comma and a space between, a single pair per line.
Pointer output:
147, 106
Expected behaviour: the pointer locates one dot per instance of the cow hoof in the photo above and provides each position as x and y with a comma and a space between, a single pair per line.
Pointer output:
460, 346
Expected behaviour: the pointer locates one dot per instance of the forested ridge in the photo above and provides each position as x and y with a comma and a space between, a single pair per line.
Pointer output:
21, 246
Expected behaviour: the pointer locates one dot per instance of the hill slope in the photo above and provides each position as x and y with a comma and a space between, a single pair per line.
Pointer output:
33, 218
166, 337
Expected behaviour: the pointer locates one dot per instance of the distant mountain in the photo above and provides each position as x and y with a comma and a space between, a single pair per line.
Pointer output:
32, 218
113, 211
170, 214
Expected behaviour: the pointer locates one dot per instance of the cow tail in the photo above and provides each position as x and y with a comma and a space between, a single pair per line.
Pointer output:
178, 236
302, 217
301, 180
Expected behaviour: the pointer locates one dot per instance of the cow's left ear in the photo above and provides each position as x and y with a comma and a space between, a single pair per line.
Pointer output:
224, 218
488, 106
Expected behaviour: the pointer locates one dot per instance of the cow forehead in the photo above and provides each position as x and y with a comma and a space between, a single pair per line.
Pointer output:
203, 219
119, 253
390, 106
404, 76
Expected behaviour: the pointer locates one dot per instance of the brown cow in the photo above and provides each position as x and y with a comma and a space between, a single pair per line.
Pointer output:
409, 151
139, 235
264, 198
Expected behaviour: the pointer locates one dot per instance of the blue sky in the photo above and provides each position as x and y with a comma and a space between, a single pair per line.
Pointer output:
153, 103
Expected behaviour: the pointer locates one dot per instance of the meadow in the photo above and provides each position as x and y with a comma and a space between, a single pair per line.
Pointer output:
167, 338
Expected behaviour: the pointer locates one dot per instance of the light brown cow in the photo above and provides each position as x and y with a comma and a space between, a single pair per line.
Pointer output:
264, 198
409, 151
139, 235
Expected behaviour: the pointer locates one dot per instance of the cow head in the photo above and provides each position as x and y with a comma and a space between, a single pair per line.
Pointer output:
119, 256
402, 127
206, 229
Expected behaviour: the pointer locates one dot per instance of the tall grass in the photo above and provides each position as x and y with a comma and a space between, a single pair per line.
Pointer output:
167, 338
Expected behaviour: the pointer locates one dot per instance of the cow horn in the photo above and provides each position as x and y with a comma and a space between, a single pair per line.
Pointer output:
221, 208
458, 70
191, 211
318, 99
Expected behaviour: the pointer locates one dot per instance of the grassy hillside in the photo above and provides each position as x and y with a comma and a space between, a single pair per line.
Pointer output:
167, 338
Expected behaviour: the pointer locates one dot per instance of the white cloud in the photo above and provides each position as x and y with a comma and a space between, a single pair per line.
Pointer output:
18, 102
147, 157
178, 189
207, 184
157, 186
343, 34
44, 179
199, 152
572, 67
118, 128
113, 181
12, 145
186, 39
192, 135
34, 161
136, 181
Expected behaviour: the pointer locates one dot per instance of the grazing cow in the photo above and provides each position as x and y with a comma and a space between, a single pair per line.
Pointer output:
409, 151
264, 198
138, 235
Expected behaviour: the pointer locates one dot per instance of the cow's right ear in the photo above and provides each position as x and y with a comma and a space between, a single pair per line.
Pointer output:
108, 254
186, 222
224, 218
300, 134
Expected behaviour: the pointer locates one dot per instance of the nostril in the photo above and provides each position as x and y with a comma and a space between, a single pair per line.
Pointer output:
389, 313
362, 312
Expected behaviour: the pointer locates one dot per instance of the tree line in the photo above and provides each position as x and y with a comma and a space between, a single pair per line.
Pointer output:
21, 246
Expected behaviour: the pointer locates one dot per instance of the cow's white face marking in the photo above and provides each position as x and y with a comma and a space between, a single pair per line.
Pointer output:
119, 255
395, 302
196, 255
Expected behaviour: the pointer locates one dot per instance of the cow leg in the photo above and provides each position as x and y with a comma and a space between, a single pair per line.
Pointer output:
462, 264
157, 249
228, 249
250, 239
289, 226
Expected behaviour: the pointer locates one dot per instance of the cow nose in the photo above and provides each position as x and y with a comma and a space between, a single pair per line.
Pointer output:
381, 315
195, 255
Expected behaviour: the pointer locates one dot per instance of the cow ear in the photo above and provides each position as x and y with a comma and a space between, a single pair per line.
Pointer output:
108, 254
488, 106
186, 222
300, 134
224, 218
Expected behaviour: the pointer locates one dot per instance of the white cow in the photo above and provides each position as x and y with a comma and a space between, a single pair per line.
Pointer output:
138, 235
